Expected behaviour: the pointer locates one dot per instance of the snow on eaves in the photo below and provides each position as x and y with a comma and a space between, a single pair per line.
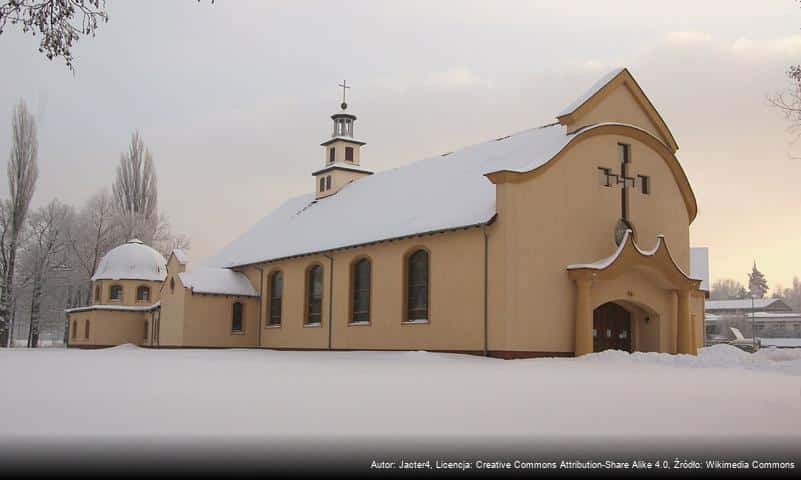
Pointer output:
435, 194
217, 281
597, 86
120, 308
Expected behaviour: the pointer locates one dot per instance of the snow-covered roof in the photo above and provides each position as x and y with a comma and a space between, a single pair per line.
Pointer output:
440, 193
181, 256
589, 93
699, 266
342, 166
740, 304
132, 261
217, 281
435, 194
122, 308
777, 315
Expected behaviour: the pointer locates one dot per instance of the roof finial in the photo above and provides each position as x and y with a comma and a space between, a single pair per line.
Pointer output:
344, 86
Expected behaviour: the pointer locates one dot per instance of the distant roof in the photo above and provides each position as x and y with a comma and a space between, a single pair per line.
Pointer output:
217, 281
699, 266
131, 261
743, 304
780, 342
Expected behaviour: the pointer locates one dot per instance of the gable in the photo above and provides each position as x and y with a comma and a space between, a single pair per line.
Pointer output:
617, 99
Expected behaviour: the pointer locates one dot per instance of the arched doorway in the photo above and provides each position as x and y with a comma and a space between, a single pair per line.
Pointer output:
611, 328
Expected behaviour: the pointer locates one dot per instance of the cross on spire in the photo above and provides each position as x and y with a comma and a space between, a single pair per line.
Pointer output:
344, 86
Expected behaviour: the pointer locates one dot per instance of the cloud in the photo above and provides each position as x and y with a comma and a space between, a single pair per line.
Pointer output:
688, 37
779, 47
453, 78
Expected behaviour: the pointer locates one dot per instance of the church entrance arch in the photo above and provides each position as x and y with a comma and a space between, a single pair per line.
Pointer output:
611, 328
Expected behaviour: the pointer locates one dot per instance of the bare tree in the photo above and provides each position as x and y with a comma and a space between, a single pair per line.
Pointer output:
46, 251
93, 233
22, 174
135, 191
789, 101
727, 289
59, 22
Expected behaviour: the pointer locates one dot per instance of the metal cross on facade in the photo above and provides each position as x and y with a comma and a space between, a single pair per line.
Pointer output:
344, 86
623, 180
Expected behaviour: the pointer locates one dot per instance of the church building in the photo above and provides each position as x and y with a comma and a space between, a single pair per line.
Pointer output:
560, 240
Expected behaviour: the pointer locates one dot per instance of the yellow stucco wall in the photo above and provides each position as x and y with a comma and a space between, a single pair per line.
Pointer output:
456, 297
619, 106
173, 313
207, 321
532, 297
107, 327
128, 292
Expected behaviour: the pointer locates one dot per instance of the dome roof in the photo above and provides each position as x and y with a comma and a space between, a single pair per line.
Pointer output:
132, 261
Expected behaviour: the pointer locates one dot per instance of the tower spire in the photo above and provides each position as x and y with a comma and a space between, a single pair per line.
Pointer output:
342, 152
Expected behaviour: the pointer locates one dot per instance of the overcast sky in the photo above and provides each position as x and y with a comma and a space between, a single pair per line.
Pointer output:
234, 98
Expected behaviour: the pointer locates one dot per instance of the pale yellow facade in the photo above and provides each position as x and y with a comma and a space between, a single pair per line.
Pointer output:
529, 282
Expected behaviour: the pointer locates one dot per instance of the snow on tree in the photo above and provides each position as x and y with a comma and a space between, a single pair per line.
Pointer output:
45, 251
757, 284
22, 174
60, 23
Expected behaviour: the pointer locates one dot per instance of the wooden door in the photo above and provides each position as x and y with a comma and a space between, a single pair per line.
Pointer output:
611, 328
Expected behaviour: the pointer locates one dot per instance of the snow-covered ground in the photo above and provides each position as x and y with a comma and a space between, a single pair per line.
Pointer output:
129, 391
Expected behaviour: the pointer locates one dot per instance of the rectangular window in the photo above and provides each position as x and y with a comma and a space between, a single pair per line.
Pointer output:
331, 155
349, 154
328, 182
146, 330
322, 184
236, 321
645, 184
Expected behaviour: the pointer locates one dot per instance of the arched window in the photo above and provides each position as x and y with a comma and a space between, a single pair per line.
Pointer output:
74, 329
86, 328
417, 286
314, 295
236, 320
172, 284
360, 291
142, 293
276, 294
116, 292
97, 293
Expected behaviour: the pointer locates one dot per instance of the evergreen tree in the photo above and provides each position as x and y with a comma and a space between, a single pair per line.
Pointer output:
757, 284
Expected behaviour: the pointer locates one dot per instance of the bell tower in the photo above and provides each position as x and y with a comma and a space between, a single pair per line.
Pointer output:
342, 154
